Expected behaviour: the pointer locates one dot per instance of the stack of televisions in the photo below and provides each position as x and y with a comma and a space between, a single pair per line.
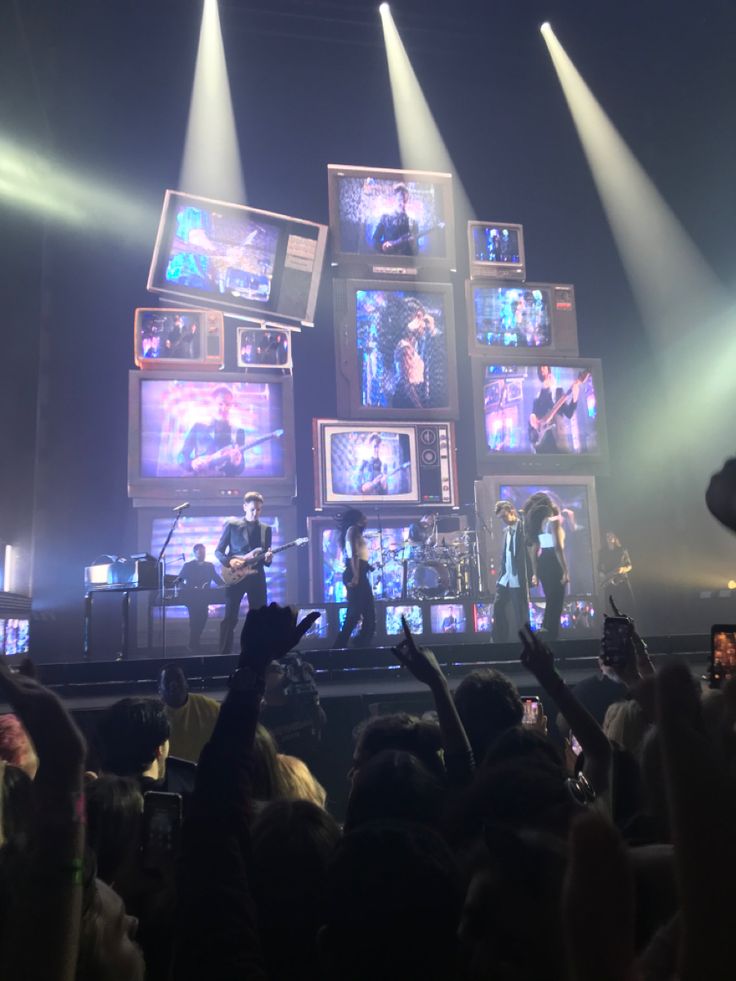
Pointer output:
211, 409
393, 247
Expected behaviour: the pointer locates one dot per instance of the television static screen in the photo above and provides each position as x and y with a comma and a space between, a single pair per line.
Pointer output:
512, 316
496, 243
413, 616
375, 463
211, 429
402, 348
390, 217
572, 502
540, 409
222, 253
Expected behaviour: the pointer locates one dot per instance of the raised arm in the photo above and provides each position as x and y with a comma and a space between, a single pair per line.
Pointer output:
538, 659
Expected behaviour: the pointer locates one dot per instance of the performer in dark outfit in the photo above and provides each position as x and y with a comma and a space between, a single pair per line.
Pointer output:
553, 440
511, 607
396, 233
360, 594
614, 566
413, 356
215, 448
196, 575
244, 538
545, 542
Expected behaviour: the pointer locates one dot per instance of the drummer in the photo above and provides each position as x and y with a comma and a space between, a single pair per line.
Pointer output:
423, 532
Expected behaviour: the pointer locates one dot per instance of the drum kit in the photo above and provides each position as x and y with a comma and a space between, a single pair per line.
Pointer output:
422, 571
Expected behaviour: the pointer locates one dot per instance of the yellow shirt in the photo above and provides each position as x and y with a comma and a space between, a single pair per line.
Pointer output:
192, 725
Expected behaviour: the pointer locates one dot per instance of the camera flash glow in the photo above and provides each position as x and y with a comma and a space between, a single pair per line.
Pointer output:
731, 583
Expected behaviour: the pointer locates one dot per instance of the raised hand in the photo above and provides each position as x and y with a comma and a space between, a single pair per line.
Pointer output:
270, 633
419, 660
537, 657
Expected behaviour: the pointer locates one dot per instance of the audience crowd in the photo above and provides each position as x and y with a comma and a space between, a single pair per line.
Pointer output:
594, 844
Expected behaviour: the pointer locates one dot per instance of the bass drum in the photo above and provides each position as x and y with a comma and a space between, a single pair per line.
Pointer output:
429, 580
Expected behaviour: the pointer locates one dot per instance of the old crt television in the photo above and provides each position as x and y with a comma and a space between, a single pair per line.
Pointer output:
384, 463
544, 416
446, 619
395, 350
524, 320
203, 438
496, 250
238, 259
411, 612
391, 221
389, 551
576, 499
264, 346
172, 338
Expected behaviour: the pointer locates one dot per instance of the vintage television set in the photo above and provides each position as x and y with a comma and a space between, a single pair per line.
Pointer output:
496, 250
201, 525
196, 437
576, 499
15, 635
391, 221
238, 259
172, 338
412, 612
395, 571
524, 320
264, 346
449, 618
384, 463
527, 419
395, 350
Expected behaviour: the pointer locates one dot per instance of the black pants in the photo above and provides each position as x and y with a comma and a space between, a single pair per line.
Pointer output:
550, 577
360, 604
255, 587
510, 608
197, 604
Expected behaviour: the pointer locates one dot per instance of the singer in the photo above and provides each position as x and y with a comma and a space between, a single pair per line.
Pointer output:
196, 577
215, 448
245, 543
413, 357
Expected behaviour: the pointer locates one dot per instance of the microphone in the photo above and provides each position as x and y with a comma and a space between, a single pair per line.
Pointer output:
181, 507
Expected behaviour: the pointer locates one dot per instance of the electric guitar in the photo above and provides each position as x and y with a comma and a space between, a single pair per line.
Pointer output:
243, 566
396, 243
231, 454
369, 486
538, 428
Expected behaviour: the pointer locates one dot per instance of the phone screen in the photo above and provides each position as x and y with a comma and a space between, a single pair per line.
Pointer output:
723, 651
575, 745
532, 710
161, 829
618, 633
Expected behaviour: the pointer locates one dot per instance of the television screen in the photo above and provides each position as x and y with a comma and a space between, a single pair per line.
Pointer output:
521, 318
397, 350
237, 258
211, 429
364, 463
178, 338
447, 618
391, 218
414, 617
319, 629
264, 347
482, 617
578, 617
496, 249
544, 412
14, 636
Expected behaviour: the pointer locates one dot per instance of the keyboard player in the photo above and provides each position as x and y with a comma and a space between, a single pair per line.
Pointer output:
196, 576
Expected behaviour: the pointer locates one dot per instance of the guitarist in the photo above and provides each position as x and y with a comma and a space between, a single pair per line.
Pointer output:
244, 538
373, 473
553, 440
397, 233
215, 439
614, 566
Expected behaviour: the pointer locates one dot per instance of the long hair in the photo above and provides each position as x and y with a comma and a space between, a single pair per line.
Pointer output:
348, 519
536, 509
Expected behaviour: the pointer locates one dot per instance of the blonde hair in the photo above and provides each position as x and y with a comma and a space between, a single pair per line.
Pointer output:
300, 782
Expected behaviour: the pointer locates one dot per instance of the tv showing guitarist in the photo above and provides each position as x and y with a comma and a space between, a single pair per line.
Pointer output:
216, 448
552, 407
374, 476
396, 233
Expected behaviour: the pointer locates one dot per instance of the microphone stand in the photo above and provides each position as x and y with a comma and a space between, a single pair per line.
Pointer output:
380, 549
161, 566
